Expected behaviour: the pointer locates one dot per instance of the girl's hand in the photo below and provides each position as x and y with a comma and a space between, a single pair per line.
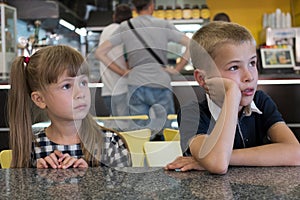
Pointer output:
61, 161
69, 161
66, 161
51, 160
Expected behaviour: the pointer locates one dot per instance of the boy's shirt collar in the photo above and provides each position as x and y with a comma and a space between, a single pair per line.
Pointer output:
215, 110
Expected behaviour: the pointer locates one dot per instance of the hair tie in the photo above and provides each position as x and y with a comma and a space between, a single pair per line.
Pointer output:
26, 59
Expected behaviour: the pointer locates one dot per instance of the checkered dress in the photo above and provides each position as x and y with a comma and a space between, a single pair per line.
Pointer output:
114, 152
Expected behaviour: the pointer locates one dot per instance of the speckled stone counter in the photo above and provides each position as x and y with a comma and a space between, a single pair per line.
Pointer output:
138, 183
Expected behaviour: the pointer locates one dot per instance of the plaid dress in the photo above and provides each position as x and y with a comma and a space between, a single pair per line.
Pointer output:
114, 152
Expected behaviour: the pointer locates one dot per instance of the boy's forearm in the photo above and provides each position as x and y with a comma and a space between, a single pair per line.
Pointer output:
276, 154
215, 152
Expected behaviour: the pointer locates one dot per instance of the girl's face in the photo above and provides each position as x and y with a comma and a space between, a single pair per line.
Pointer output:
69, 98
238, 63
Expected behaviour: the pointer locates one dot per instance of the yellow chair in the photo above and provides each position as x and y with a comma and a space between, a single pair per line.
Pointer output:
160, 153
172, 116
171, 134
5, 158
135, 142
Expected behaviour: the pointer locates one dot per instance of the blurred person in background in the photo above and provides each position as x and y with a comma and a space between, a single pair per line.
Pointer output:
149, 81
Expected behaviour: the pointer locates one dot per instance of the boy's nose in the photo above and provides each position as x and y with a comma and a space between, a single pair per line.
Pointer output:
248, 76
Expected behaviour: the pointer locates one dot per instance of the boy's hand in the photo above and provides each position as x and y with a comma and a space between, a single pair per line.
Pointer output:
217, 87
184, 163
61, 161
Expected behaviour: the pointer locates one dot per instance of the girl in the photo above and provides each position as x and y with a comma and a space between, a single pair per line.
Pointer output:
55, 80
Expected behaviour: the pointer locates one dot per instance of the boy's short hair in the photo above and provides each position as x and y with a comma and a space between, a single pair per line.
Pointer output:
209, 38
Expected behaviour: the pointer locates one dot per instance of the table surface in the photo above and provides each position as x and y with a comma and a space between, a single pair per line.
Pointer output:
151, 183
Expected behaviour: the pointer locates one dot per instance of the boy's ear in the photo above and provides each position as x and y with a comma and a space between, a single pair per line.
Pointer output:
38, 99
199, 76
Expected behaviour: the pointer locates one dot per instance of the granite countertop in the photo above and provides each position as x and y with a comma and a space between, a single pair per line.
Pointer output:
153, 183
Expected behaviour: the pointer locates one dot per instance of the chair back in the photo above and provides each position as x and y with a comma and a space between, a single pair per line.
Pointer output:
135, 142
5, 158
171, 134
160, 153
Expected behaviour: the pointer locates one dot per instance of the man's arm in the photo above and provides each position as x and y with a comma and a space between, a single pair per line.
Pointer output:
183, 59
101, 54
186, 55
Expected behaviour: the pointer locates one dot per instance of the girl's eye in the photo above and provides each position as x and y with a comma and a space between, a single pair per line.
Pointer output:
66, 86
84, 83
233, 68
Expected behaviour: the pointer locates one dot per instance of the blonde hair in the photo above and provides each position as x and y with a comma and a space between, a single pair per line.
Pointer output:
43, 68
209, 38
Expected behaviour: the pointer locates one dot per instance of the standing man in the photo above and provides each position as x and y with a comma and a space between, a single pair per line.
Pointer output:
149, 81
114, 91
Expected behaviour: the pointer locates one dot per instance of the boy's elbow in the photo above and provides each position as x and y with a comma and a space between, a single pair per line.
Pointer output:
216, 166
296, 156
215, 163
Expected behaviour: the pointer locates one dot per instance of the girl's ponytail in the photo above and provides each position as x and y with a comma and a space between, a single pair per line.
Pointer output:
19, 114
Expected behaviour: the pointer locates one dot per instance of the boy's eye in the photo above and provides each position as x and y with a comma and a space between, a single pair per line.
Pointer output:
252, 64
66, 86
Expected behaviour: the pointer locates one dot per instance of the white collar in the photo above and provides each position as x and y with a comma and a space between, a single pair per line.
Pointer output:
215, 110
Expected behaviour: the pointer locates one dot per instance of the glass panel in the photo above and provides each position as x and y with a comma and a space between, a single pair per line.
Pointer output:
9, 29
1, 30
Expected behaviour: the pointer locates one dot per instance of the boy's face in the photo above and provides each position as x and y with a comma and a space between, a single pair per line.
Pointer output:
238, 63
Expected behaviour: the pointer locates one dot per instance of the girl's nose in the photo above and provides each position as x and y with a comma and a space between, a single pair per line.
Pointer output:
79, 93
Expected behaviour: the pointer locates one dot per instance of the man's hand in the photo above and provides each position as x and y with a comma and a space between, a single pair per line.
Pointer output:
171, 70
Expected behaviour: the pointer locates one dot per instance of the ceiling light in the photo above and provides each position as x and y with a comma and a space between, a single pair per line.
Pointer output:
67, 24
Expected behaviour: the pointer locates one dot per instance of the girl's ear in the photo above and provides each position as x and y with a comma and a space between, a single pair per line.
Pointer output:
38, 99
199, 76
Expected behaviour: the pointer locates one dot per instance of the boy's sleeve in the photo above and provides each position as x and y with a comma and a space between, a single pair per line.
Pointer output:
192, 120
269, 109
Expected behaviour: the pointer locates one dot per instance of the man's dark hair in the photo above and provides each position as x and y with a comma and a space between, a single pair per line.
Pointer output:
123, 12
221, 17
141, 4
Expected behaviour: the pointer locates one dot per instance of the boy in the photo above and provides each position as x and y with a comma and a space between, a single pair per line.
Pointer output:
238, 125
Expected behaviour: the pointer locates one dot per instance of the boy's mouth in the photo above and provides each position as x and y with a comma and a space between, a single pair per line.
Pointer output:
248, 92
